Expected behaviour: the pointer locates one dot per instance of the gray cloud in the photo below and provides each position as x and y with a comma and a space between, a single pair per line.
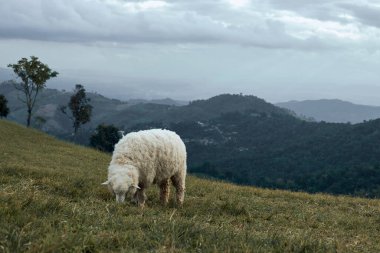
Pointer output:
367, 14
176, 22
55, 21
325, 10
276, 49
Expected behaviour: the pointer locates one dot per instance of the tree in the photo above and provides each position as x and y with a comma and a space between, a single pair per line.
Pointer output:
105, 137
4, 110
80, 108
33, 75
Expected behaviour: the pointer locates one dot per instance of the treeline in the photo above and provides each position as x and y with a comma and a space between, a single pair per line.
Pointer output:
283, 152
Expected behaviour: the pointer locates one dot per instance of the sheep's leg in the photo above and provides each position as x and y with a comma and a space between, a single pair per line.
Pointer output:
134, 198
179, 184
164, 191
140, 197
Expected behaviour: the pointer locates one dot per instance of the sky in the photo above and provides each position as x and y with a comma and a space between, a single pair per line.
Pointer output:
279, 50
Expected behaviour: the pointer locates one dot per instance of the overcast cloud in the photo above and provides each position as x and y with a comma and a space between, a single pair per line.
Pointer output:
276, 49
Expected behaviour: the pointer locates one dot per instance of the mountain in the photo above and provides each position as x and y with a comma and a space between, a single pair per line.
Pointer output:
332, 110
243, 139
48, 117
165, 101
246, 140
199, 110
51, 199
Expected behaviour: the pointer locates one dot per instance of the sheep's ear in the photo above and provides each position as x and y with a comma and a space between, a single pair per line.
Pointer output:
105, 183
136, 186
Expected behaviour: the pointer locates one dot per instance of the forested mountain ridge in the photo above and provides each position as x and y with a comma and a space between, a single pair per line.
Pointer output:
49, 118
280, 151
198, 110
246, 140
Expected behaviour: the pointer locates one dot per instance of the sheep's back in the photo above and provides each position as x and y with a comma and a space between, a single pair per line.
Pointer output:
157, 153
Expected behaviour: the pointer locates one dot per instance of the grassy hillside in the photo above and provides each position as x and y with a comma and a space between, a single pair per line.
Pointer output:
51, 201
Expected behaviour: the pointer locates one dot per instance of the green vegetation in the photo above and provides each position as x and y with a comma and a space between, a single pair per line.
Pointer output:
4, 110
105, 138
80, 108
52, 201
277, 150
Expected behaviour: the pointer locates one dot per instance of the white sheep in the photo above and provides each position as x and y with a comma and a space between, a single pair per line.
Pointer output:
146, 157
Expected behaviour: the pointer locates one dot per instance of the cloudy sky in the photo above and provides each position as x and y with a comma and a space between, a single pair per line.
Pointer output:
185, 49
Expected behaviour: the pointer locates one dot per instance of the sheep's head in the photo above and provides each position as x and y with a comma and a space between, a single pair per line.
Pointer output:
121, 184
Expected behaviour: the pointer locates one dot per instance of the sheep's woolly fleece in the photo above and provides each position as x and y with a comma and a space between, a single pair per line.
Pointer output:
146, 157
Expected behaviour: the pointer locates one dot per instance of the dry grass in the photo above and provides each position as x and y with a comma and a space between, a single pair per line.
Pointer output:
51, 201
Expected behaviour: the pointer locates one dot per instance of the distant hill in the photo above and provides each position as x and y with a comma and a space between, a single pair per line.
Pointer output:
126, 114
105, 110
165, 101
242, 139
246, 140
51, 199
332, 110
199, 110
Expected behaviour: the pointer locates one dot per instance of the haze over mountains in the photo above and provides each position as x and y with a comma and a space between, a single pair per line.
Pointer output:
56, 123
328, 110
332, 110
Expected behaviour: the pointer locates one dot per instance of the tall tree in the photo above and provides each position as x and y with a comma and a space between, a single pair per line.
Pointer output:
33, 75
80, 108
4, 110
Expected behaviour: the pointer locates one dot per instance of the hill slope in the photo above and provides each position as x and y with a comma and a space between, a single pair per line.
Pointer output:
245, 140
51, 201
280, 151
333, 110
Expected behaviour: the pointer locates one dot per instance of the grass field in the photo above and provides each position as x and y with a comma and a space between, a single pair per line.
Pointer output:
51, 200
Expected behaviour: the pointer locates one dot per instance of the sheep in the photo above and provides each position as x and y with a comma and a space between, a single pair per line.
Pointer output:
148, 157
